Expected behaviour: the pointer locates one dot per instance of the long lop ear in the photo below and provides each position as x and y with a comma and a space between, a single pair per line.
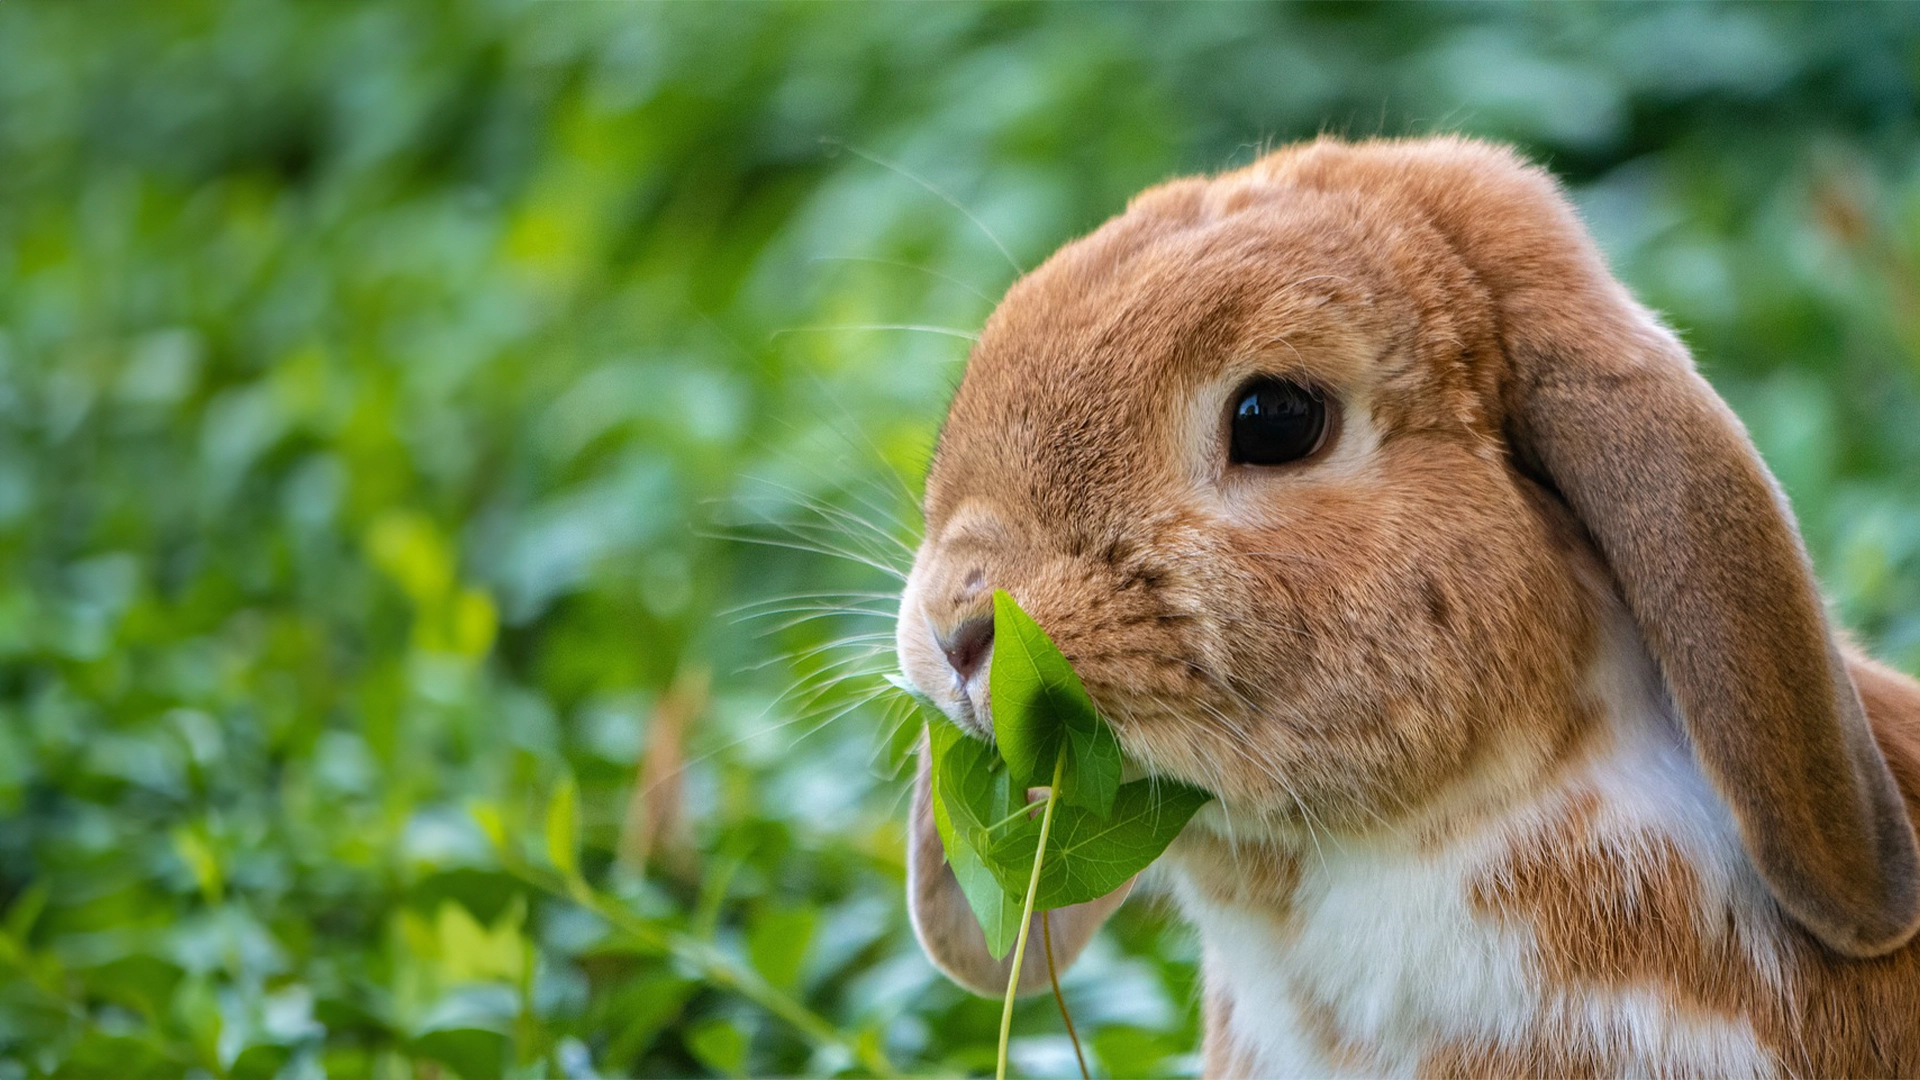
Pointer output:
1603, 403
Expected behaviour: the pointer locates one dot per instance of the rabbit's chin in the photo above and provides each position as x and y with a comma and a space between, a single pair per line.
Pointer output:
971, 716
964, 704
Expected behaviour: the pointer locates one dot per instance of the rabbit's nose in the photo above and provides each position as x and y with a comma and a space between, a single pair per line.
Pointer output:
967, 645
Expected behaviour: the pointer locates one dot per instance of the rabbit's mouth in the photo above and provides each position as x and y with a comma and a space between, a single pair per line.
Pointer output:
946, 671
1154, 693
975, 720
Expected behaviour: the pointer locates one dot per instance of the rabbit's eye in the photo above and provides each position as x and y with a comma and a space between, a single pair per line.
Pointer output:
1275, 422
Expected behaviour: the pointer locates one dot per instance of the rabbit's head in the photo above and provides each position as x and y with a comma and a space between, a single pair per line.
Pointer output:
1305, 467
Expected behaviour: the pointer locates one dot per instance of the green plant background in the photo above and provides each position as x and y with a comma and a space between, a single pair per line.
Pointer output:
391, 399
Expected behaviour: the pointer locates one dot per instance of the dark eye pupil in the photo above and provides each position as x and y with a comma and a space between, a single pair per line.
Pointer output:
1276, 422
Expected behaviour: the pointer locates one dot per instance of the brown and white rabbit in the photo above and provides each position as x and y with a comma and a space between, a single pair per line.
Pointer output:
1362, 495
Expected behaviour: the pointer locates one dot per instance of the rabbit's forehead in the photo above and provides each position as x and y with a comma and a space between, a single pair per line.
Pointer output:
1096, 364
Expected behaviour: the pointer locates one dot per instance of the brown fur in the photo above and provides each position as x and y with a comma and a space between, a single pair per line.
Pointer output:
1255, 875
1546, 1056
1343, 643
1609, 918
1185, 630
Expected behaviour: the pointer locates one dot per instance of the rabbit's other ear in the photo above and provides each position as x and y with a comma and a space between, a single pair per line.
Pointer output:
1602, 403
1705, 550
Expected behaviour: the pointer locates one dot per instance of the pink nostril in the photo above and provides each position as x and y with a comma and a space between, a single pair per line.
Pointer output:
968, 645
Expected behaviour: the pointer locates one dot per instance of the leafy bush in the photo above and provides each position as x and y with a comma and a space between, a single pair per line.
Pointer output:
395, 401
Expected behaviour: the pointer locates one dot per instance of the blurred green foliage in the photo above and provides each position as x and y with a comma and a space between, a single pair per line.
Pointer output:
391, 397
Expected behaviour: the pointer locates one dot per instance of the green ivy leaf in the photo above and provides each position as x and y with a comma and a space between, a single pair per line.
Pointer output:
636, 1012
1089, 856
1103, 832
719, 1045
96, 1053
778, 941
473, 1053
1093, 768
969, 794
1133, 1051
26, 911
1040, 710
260, 1061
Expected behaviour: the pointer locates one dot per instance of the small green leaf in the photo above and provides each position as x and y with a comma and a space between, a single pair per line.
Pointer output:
1132, 1051
26, 910
1036, 695
97, 1053
194, 850
636, 1013
491, 821
720, 1046
1093, 768
1103, 831
197, 1008
1089, 856
1039, 704
140, 981
258, 1062
473, 1053
778, 942
969, 794
563, 839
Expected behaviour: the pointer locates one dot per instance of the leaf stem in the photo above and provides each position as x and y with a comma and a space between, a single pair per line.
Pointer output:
1025, 811
1026, 915
1053, 976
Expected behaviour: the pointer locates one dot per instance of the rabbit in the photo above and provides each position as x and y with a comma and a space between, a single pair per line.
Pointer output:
1361, 495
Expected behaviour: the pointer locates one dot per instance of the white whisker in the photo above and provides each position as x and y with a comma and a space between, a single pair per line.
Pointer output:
941, 194
923, 328
811, 549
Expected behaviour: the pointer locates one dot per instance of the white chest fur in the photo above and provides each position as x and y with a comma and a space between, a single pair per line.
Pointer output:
1379, 962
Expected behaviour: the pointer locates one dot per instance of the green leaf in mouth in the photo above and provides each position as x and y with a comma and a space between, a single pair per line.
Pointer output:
1045, 725
1041, 710
969, 794
1091, 833
1089, 856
